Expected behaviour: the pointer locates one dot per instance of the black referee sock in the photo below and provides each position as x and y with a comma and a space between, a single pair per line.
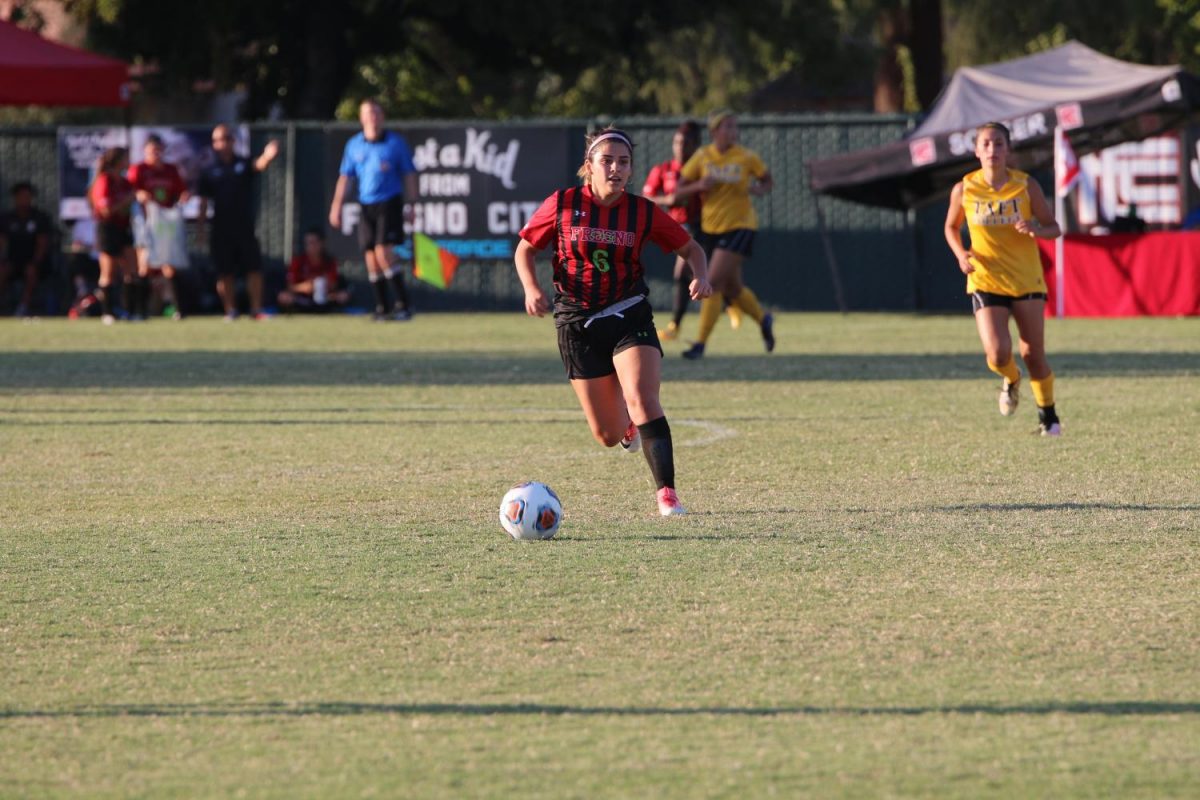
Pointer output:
660, 454
128, 293
397, 275
380, 289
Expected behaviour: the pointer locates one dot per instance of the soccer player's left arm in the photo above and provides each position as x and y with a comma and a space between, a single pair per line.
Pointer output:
1043, 223
693, 253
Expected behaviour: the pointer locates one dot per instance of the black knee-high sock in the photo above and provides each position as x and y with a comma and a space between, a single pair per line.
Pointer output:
173, 282
143, 296
682, 295
380, 288
105, 293
128, 295
660, 454
397, 274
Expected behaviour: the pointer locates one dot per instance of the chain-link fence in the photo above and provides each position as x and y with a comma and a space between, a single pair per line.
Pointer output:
888, 260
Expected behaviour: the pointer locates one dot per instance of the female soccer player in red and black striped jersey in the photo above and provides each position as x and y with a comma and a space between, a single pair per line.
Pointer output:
606, 333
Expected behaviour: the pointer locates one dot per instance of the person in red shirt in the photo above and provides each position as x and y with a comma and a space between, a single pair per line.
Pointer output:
606, 333
313, 283
111, 197
159, 235
660, 187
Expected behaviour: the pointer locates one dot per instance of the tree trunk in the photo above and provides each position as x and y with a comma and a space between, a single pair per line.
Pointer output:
926, 46
889, 77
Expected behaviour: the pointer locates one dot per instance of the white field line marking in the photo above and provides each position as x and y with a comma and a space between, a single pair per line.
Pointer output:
713, 431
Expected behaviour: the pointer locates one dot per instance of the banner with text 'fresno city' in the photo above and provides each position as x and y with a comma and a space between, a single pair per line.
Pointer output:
478, 184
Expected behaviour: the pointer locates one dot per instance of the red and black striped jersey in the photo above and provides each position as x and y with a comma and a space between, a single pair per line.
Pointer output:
597, 256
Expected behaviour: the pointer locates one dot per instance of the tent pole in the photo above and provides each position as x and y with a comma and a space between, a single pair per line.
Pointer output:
289, 193
834, 273
1059, 210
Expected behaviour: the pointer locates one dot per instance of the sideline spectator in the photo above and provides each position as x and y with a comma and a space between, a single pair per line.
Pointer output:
382, 164
159, 231
313, 283
229, 184
111, 197
26, 232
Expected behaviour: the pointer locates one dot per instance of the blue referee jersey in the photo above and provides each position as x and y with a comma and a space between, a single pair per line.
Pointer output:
379, 167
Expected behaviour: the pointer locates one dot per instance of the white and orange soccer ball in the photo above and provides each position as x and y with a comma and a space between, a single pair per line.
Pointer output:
530, 510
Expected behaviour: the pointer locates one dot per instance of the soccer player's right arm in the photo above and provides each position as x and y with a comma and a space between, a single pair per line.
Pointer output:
953, 230
335, 208
536, 304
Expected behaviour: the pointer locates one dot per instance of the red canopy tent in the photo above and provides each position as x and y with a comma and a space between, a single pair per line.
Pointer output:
37, 72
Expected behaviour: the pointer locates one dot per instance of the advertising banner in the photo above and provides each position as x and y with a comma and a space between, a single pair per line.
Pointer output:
478, 185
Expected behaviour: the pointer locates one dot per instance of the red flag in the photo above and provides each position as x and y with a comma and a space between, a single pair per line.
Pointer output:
1066, 166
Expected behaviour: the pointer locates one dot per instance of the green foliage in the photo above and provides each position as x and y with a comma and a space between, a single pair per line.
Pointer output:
263, 560
1144, 31
468, 58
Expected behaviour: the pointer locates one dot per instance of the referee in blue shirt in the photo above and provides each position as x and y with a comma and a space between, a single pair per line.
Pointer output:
382, 165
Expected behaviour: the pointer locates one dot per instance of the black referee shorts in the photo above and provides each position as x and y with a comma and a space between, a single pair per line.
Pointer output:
381, 224
587, 350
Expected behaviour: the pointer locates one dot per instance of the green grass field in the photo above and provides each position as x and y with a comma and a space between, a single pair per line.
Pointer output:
263, 560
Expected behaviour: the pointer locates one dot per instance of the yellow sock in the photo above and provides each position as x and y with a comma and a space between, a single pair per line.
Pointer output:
747, 301
1009, 371
1043, 390
735, 316
710, 312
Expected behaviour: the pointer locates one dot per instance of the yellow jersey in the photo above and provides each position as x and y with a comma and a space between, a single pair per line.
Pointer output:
1006, 261
727, 204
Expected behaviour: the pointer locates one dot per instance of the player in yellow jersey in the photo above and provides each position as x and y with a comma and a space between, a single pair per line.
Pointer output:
728, 175
1004, 210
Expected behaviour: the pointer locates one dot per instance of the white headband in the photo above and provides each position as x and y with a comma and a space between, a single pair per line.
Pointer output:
610, 135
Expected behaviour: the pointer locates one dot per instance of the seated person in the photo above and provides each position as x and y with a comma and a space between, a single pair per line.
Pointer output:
313, 283
25, 230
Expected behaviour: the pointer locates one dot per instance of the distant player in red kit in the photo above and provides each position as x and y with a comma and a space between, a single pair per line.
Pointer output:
606, 333
660, 187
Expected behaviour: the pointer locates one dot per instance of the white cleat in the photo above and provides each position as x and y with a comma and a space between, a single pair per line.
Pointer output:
668, 502
631, 442
1010, 396
1053, 429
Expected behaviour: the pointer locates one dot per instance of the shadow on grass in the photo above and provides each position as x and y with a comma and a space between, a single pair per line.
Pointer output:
335, 709
974, 508
210, 368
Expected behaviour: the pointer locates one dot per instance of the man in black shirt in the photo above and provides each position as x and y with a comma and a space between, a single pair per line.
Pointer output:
229, 185
25, 231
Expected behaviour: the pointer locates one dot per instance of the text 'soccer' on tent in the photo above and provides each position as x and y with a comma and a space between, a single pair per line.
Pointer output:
37, 72
1099, 101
